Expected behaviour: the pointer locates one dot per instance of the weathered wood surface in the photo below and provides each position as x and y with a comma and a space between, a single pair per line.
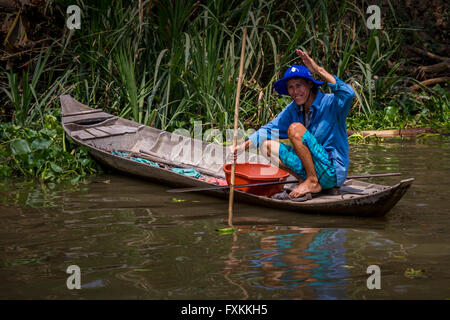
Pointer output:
99, 116
82, 134
117, 129
82, 112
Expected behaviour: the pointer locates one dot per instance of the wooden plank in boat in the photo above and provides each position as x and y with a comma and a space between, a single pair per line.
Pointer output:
97, 133
82, 134
82, 113
109, 130
117, 129
100, 116
126, 129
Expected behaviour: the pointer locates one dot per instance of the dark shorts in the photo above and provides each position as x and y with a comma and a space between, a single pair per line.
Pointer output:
324, 167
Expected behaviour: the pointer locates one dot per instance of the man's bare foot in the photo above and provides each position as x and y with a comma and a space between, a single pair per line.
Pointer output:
307, 186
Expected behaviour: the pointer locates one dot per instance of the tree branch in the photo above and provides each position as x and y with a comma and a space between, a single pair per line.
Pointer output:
429, 82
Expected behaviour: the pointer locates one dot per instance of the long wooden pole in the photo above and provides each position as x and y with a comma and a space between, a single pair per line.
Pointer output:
236, 116
195, 189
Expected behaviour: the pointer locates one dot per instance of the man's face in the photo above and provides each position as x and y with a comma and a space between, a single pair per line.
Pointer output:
299, 90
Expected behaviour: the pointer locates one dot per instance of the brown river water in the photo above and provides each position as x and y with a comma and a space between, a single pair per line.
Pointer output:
132, 240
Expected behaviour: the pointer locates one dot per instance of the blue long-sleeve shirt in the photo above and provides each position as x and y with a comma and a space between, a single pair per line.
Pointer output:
327, 124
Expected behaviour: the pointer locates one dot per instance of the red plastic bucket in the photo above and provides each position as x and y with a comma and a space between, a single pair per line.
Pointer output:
250, 173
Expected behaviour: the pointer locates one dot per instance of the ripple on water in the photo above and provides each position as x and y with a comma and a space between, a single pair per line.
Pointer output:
131, 241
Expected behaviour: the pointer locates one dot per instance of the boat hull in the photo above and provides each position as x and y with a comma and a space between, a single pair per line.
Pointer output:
102, 133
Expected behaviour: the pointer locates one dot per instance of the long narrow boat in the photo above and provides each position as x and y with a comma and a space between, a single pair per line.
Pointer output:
147, 152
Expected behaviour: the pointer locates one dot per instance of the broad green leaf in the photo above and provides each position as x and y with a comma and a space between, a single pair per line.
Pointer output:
226, 230
56, 168
19, 147
75, 180
48, 132
41, 144
32, 161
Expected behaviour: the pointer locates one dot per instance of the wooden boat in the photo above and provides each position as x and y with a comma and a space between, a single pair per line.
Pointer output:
105, 134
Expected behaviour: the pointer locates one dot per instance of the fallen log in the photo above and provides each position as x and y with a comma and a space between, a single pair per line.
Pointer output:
411, 132
426, 53
429, 82
438, 67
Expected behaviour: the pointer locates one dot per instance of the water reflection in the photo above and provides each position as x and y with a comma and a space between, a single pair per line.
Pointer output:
132, 241
307, 262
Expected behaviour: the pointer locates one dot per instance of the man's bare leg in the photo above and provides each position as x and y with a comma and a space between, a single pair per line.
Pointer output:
270, 149
311, 184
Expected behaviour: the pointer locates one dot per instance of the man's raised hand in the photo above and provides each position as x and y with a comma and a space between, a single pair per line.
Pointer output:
314, 68
308, 61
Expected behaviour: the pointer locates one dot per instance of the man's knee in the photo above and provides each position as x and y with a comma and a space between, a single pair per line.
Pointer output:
296, 131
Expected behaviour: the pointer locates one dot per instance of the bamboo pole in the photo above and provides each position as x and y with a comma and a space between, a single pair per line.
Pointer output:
236, 114
196, 189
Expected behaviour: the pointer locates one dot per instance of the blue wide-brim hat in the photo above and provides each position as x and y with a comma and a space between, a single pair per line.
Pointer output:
294, 71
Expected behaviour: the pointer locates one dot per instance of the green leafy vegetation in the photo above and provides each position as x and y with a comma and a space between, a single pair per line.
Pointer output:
169, 63
42, 153
226, 230
420, 110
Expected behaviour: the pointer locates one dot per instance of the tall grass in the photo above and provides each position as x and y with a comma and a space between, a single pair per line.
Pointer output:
168, 63
23, 93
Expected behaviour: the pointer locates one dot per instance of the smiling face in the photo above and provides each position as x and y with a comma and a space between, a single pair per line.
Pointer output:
300, 90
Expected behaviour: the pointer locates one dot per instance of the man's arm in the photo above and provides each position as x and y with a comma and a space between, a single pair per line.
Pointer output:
244, 145
342, 91
314, 68
240, 147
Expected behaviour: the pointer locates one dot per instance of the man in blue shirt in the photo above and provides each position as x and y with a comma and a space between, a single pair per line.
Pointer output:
315, 124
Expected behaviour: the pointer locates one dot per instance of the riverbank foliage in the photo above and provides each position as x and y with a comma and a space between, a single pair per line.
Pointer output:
167, 63
42, 153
